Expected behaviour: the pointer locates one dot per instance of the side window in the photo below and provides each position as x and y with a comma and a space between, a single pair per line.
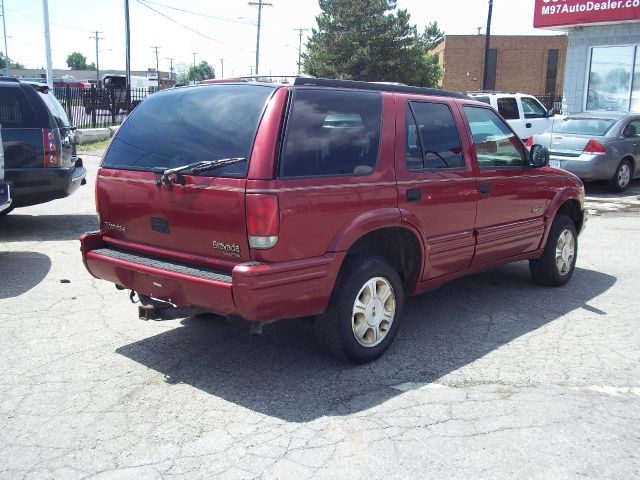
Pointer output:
495, 144
632, 130
15, 109
508, 108
432, 137
331, 132
532, 108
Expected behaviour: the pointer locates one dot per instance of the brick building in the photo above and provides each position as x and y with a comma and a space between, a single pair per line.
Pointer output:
517, 63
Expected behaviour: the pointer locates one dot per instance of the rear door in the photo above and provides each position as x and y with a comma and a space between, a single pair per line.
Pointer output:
512, 196
200, 214
436, 184
536, 120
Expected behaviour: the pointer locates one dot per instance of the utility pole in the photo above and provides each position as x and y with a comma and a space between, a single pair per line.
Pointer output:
170, 67
487, 45
251, 69
96, 35
157, 64
222, 68
259, 4
194, 67
47, 42
300, 30
127, 41
6, 54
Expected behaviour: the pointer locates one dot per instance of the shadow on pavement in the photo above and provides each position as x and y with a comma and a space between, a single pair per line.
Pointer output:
283, 373
17, 227
21, 271
601, 190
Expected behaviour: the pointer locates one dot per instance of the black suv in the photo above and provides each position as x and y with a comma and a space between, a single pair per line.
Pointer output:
39, 145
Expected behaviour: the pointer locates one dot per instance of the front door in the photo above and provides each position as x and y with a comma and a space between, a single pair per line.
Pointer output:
512, 196
436, 184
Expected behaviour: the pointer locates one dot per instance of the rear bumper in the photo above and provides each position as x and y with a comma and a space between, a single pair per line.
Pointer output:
253, 291
31, 186
587, 167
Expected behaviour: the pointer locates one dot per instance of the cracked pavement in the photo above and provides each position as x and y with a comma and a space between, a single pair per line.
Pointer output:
490, 376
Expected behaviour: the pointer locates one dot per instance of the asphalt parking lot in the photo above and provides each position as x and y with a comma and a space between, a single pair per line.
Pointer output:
491, 376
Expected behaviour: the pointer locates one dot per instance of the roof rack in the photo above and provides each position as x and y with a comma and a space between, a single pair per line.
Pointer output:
380, 87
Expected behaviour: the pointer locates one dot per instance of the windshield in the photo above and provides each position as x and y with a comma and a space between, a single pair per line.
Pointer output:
584, 126
58, 113
187, 125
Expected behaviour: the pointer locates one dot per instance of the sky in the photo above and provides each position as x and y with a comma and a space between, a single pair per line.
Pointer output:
215, 30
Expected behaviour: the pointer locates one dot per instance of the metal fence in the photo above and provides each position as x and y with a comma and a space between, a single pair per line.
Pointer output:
551, 101
99, 107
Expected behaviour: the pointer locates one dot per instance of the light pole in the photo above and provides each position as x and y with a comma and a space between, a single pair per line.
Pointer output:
194, 67
222, 68
300, 30
6, 54
485, 77
170, 67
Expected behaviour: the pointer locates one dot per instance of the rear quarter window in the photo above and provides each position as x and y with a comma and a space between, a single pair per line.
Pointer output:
185, 125
331, 132
15, 109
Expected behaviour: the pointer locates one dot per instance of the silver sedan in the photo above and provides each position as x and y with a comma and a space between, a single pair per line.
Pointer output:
596, 146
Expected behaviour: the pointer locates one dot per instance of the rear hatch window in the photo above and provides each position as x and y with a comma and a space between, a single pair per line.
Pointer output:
56, 110
186, 125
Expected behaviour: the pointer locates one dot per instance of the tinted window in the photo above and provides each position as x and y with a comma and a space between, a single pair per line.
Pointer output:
15, 109
58, 113
532, 108
486, 100
187, 125
439, 143
331, 132
584, 126
508, 108
495, 143
633, 129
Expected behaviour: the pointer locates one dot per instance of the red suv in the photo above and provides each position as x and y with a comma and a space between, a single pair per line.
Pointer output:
326, 198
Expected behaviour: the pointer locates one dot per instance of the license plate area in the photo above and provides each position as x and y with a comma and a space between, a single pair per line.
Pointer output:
555, 164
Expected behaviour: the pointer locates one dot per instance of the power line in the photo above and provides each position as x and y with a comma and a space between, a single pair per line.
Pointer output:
259, 4
141, 2
200, 14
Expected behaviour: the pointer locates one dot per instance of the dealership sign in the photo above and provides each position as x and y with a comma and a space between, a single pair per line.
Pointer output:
556, 13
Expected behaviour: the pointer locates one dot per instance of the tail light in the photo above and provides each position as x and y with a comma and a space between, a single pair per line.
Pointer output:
594, 148
50, 145
263, 220
529, 142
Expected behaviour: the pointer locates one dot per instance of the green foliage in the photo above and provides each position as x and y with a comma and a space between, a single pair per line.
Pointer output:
203, 71
371, 40
77, 61
432, 35
12, 64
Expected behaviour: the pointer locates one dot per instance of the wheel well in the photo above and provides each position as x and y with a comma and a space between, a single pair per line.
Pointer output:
398, 246
571, 208
633, 164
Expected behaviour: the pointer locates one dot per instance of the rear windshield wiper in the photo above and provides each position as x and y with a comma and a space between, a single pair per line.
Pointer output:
196, 167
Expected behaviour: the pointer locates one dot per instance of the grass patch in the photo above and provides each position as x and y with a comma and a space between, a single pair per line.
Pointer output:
92, 147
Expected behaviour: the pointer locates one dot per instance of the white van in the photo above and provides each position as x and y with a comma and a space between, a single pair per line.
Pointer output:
526, 115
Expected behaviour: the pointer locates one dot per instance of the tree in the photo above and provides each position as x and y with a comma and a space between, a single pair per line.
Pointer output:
203, 71
12, 64
432, 35
370, 40
77, 61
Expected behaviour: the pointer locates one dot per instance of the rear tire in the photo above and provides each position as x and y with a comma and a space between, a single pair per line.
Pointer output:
7, 211
622, 178
364, 311
555, 267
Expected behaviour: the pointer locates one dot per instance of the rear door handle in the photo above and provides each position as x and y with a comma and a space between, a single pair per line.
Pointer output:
484, 188
414, 195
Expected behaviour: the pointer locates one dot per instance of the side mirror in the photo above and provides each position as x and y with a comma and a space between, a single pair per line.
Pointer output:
550, 113
539, 156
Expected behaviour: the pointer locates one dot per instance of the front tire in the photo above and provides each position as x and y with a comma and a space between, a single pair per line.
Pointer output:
364, 312
622, 178
555, 267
